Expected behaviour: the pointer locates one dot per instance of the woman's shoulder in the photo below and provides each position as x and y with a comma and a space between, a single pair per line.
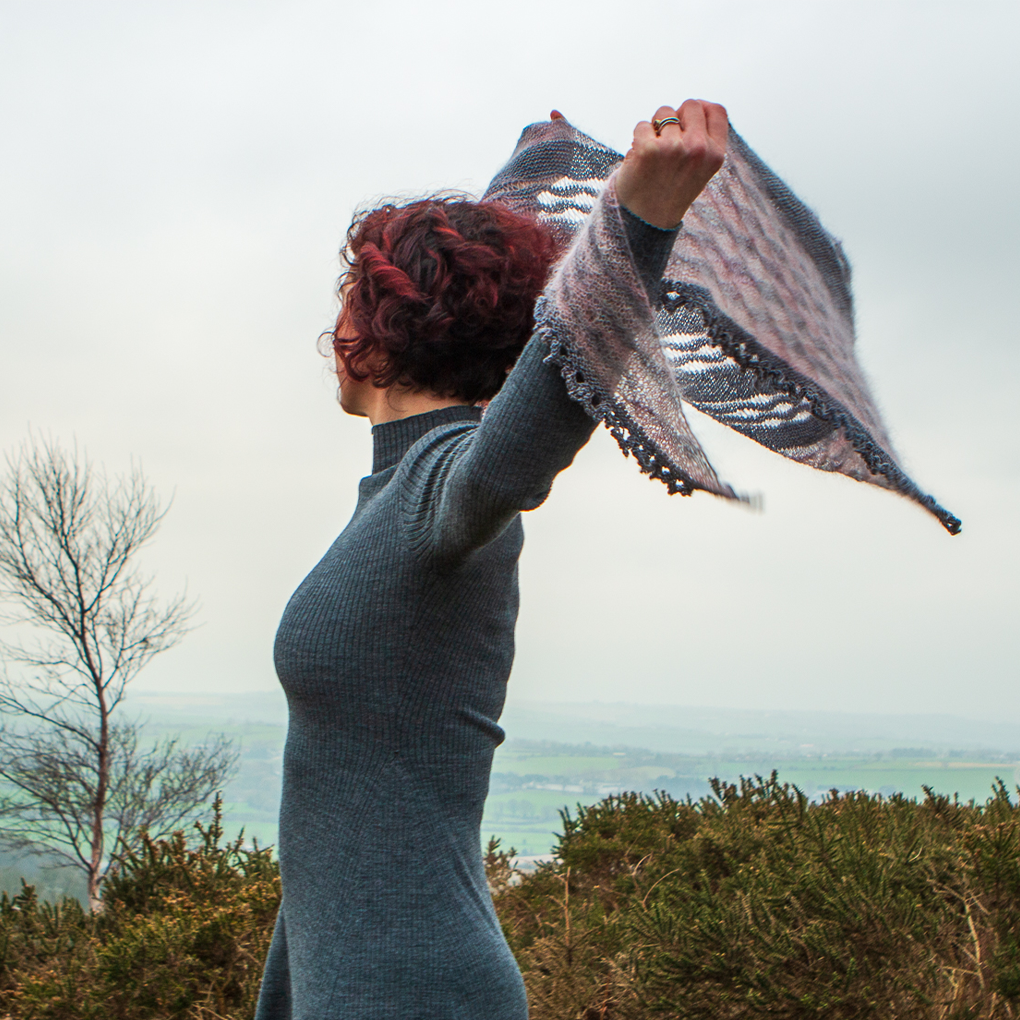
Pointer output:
431, 457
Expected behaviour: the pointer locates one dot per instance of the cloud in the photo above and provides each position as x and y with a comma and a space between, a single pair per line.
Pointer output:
178, 180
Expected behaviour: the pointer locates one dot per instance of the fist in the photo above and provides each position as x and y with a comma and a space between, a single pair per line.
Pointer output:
664, 172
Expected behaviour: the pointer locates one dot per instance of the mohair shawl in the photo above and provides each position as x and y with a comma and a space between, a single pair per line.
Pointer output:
752, 325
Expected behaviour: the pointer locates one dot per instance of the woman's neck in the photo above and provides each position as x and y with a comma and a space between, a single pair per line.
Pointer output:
381, 405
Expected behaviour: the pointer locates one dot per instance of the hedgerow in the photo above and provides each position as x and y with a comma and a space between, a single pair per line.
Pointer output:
754, 902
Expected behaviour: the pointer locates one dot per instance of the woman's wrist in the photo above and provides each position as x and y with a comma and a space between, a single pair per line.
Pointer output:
671, 160
650, 246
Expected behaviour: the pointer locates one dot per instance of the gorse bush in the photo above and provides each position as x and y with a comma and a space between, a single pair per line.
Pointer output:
754, 902
183, 933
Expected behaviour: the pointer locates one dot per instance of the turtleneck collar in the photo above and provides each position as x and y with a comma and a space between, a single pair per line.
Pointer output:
392, 439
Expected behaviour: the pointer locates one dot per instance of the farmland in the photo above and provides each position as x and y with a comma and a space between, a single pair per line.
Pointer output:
598, 750
531, 782
557, 756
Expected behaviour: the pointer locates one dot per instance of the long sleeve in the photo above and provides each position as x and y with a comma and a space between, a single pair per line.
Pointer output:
470, 488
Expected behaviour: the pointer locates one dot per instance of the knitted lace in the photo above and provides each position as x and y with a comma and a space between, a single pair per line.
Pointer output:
752, 325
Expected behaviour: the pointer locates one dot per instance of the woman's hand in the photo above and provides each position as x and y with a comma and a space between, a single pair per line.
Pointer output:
664, 173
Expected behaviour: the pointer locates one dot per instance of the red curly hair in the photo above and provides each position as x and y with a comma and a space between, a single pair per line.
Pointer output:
439, 295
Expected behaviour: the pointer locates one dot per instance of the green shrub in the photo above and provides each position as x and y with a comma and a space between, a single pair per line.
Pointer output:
183, 933
756, 902
751, 903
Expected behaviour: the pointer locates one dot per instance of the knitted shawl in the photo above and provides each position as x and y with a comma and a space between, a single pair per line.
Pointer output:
752, 323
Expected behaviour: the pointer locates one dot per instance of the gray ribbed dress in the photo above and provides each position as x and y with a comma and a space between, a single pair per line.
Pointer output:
394, 655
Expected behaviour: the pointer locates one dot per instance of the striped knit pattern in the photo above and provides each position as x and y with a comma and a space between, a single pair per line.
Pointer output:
752, 322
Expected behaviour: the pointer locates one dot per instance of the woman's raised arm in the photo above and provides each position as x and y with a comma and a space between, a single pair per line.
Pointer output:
532, 429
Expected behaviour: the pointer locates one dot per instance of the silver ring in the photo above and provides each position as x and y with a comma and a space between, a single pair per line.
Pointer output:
658, 125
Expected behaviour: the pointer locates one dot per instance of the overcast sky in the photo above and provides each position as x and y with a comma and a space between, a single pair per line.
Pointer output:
177, 177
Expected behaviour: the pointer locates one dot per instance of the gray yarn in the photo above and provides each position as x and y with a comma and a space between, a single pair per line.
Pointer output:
752, 323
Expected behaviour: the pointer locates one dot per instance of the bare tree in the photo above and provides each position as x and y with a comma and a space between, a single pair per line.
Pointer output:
85, 621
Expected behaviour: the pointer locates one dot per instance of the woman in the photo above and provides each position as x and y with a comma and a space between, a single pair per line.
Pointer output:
395, 650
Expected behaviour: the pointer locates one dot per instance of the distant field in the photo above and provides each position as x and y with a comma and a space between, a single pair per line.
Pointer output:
533, 780
590, 750
523, 812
